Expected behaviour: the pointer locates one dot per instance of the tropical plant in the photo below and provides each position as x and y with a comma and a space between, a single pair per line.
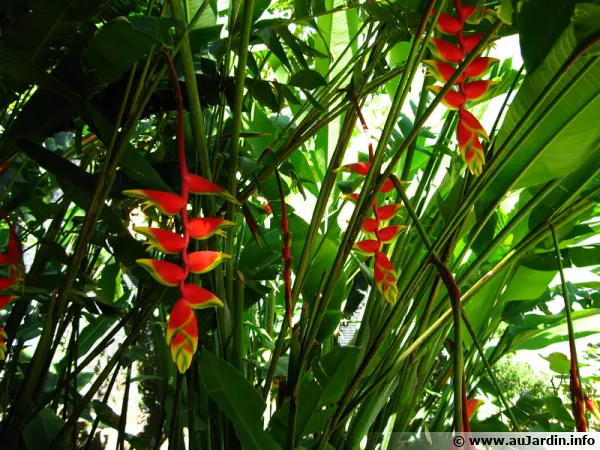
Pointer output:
459, 228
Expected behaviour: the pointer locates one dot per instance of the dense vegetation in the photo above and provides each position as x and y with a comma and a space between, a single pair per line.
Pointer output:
354, 211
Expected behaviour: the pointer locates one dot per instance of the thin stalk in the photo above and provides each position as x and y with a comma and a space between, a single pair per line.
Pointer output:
236, 113
576, 391
490, 370
175, 431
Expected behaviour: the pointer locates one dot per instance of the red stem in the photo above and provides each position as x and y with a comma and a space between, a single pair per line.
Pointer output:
182, 164
285, 250
363, 122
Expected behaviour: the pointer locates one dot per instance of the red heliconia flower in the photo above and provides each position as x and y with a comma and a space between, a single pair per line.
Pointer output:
368, 247
166, 202
3, 349
446, 51
447, 24
387, 186
388, 211
592, 407
360, 168
474, 157
383, 262
469, 41
480, 66
577, 395
442, 71
12, 255
476, 90
385, 280
199, 298
164, 272
8, 282
267, 208
205, 227
182, 335
351, 197
452, 100
387, 234
205, 261
5, 300
472, 124
201, 186
163, 240
472, 406
370, 225
464, 136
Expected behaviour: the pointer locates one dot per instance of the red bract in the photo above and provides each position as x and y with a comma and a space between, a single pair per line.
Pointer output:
163, 240
442, 71
387, 234
12, 255
370, 225
205, 227
351, 197
445, 50
452, 100
480, 66
164, 272
199, 298
182, 335
447, 24
360, 168
469, 42
476, 90
201, 186
388, 211
387, 186
368, 247
166, 202
472, 406
592, 407
472, 124
205, 261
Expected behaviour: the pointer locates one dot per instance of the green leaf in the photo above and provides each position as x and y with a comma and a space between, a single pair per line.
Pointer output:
585, 22
541, 331
307, 79
119, 44
559, 362
238, 399
42, 429
563, 141
540, 24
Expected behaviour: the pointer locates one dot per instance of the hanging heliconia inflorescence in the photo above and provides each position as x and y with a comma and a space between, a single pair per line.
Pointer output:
182, 329
376, 227
11, 261
469, 131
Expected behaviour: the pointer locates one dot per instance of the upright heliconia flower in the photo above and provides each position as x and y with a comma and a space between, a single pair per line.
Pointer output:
182, 329
469, 130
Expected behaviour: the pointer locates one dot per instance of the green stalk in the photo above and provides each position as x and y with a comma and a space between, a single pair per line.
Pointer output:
490, 370
61, 435
576, 390
175, 431
189, 73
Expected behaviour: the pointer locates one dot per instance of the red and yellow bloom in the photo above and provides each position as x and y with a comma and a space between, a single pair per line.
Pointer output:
469, 130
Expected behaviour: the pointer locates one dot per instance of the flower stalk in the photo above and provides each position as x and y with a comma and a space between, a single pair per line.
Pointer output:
182, 329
